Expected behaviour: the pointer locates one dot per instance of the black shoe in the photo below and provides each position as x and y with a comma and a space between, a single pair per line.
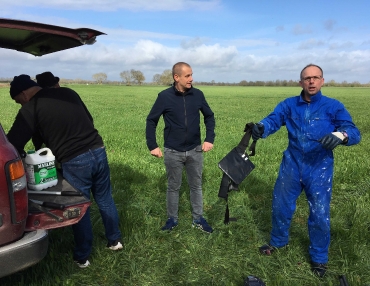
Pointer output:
202, 224
267, 249
319, 269
170, 224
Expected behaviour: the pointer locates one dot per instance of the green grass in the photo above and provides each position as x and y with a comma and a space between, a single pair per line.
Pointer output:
186, 256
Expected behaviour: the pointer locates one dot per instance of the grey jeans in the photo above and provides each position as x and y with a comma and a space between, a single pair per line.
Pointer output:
175, 162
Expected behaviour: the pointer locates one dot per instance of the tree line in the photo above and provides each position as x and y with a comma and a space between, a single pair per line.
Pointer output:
136, 77
132, 76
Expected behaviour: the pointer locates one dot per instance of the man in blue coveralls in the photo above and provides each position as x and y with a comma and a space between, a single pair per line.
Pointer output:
316, 124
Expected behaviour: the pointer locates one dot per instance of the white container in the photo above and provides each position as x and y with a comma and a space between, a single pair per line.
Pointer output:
40, 169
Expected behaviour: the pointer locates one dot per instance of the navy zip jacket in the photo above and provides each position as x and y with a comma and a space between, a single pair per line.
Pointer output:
182, 119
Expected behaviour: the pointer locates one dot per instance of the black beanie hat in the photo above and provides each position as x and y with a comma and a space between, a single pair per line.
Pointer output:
46, 79
21, 83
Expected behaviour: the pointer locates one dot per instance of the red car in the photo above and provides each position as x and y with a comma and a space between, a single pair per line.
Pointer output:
25, 218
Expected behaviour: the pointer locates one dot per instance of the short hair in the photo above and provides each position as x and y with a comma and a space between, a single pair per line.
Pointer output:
312, 65
176, 69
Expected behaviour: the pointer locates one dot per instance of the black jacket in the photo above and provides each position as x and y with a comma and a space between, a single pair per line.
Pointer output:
62, 120
181, 114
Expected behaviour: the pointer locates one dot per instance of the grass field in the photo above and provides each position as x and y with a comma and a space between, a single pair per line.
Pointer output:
187, 256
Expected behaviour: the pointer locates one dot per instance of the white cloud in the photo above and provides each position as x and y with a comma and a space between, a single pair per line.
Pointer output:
209, 62
218, 57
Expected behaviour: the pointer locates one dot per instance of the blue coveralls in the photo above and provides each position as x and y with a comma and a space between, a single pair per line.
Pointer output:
307, 165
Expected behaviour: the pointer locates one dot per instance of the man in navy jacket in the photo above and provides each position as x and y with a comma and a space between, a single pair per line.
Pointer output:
180, 105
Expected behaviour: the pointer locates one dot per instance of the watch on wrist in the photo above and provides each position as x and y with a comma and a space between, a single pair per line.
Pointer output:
345, 140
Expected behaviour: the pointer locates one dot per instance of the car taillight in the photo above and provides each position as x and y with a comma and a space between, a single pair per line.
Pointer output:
18, 191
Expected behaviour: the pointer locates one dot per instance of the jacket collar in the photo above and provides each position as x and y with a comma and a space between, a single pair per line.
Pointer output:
314, 98
189, 91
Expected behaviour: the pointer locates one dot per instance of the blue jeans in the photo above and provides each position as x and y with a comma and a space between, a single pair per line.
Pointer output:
175, 162
90, 172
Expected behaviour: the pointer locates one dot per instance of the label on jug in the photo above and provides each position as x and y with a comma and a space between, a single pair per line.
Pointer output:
41, 173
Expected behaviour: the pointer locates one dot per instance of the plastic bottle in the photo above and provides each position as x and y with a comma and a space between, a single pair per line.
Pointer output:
40, 169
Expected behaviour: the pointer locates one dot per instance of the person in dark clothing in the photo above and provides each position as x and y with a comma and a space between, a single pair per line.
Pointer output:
180, 106
45, 79
66, 127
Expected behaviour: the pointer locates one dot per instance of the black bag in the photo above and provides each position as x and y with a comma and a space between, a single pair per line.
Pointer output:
236, 166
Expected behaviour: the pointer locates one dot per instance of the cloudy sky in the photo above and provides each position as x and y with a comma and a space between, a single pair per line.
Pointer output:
223, 40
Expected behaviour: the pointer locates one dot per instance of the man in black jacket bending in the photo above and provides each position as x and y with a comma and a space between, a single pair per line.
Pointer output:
180, 105
65, 125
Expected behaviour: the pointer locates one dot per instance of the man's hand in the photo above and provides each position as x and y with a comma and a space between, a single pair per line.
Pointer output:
257, 131
156, 152
207, 146
330, 141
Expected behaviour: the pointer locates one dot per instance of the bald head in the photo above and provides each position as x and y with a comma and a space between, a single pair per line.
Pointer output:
177, 68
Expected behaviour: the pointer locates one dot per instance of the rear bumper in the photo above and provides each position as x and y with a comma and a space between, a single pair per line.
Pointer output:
23, 253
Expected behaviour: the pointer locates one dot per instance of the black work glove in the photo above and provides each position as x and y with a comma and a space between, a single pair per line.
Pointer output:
330, 141
257, 131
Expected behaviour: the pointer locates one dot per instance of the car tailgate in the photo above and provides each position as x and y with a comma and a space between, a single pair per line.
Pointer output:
41, 217
41, 39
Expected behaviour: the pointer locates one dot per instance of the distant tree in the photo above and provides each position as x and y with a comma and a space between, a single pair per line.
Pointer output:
243, 83
137, 76
355, 84
126, 77
293, 83
100, 77
166, 77
157, 78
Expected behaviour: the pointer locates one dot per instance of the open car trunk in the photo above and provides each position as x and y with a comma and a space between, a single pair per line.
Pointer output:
25, 217
41, 39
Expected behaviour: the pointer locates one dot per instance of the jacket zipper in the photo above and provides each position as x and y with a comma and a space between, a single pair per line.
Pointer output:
186, 121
